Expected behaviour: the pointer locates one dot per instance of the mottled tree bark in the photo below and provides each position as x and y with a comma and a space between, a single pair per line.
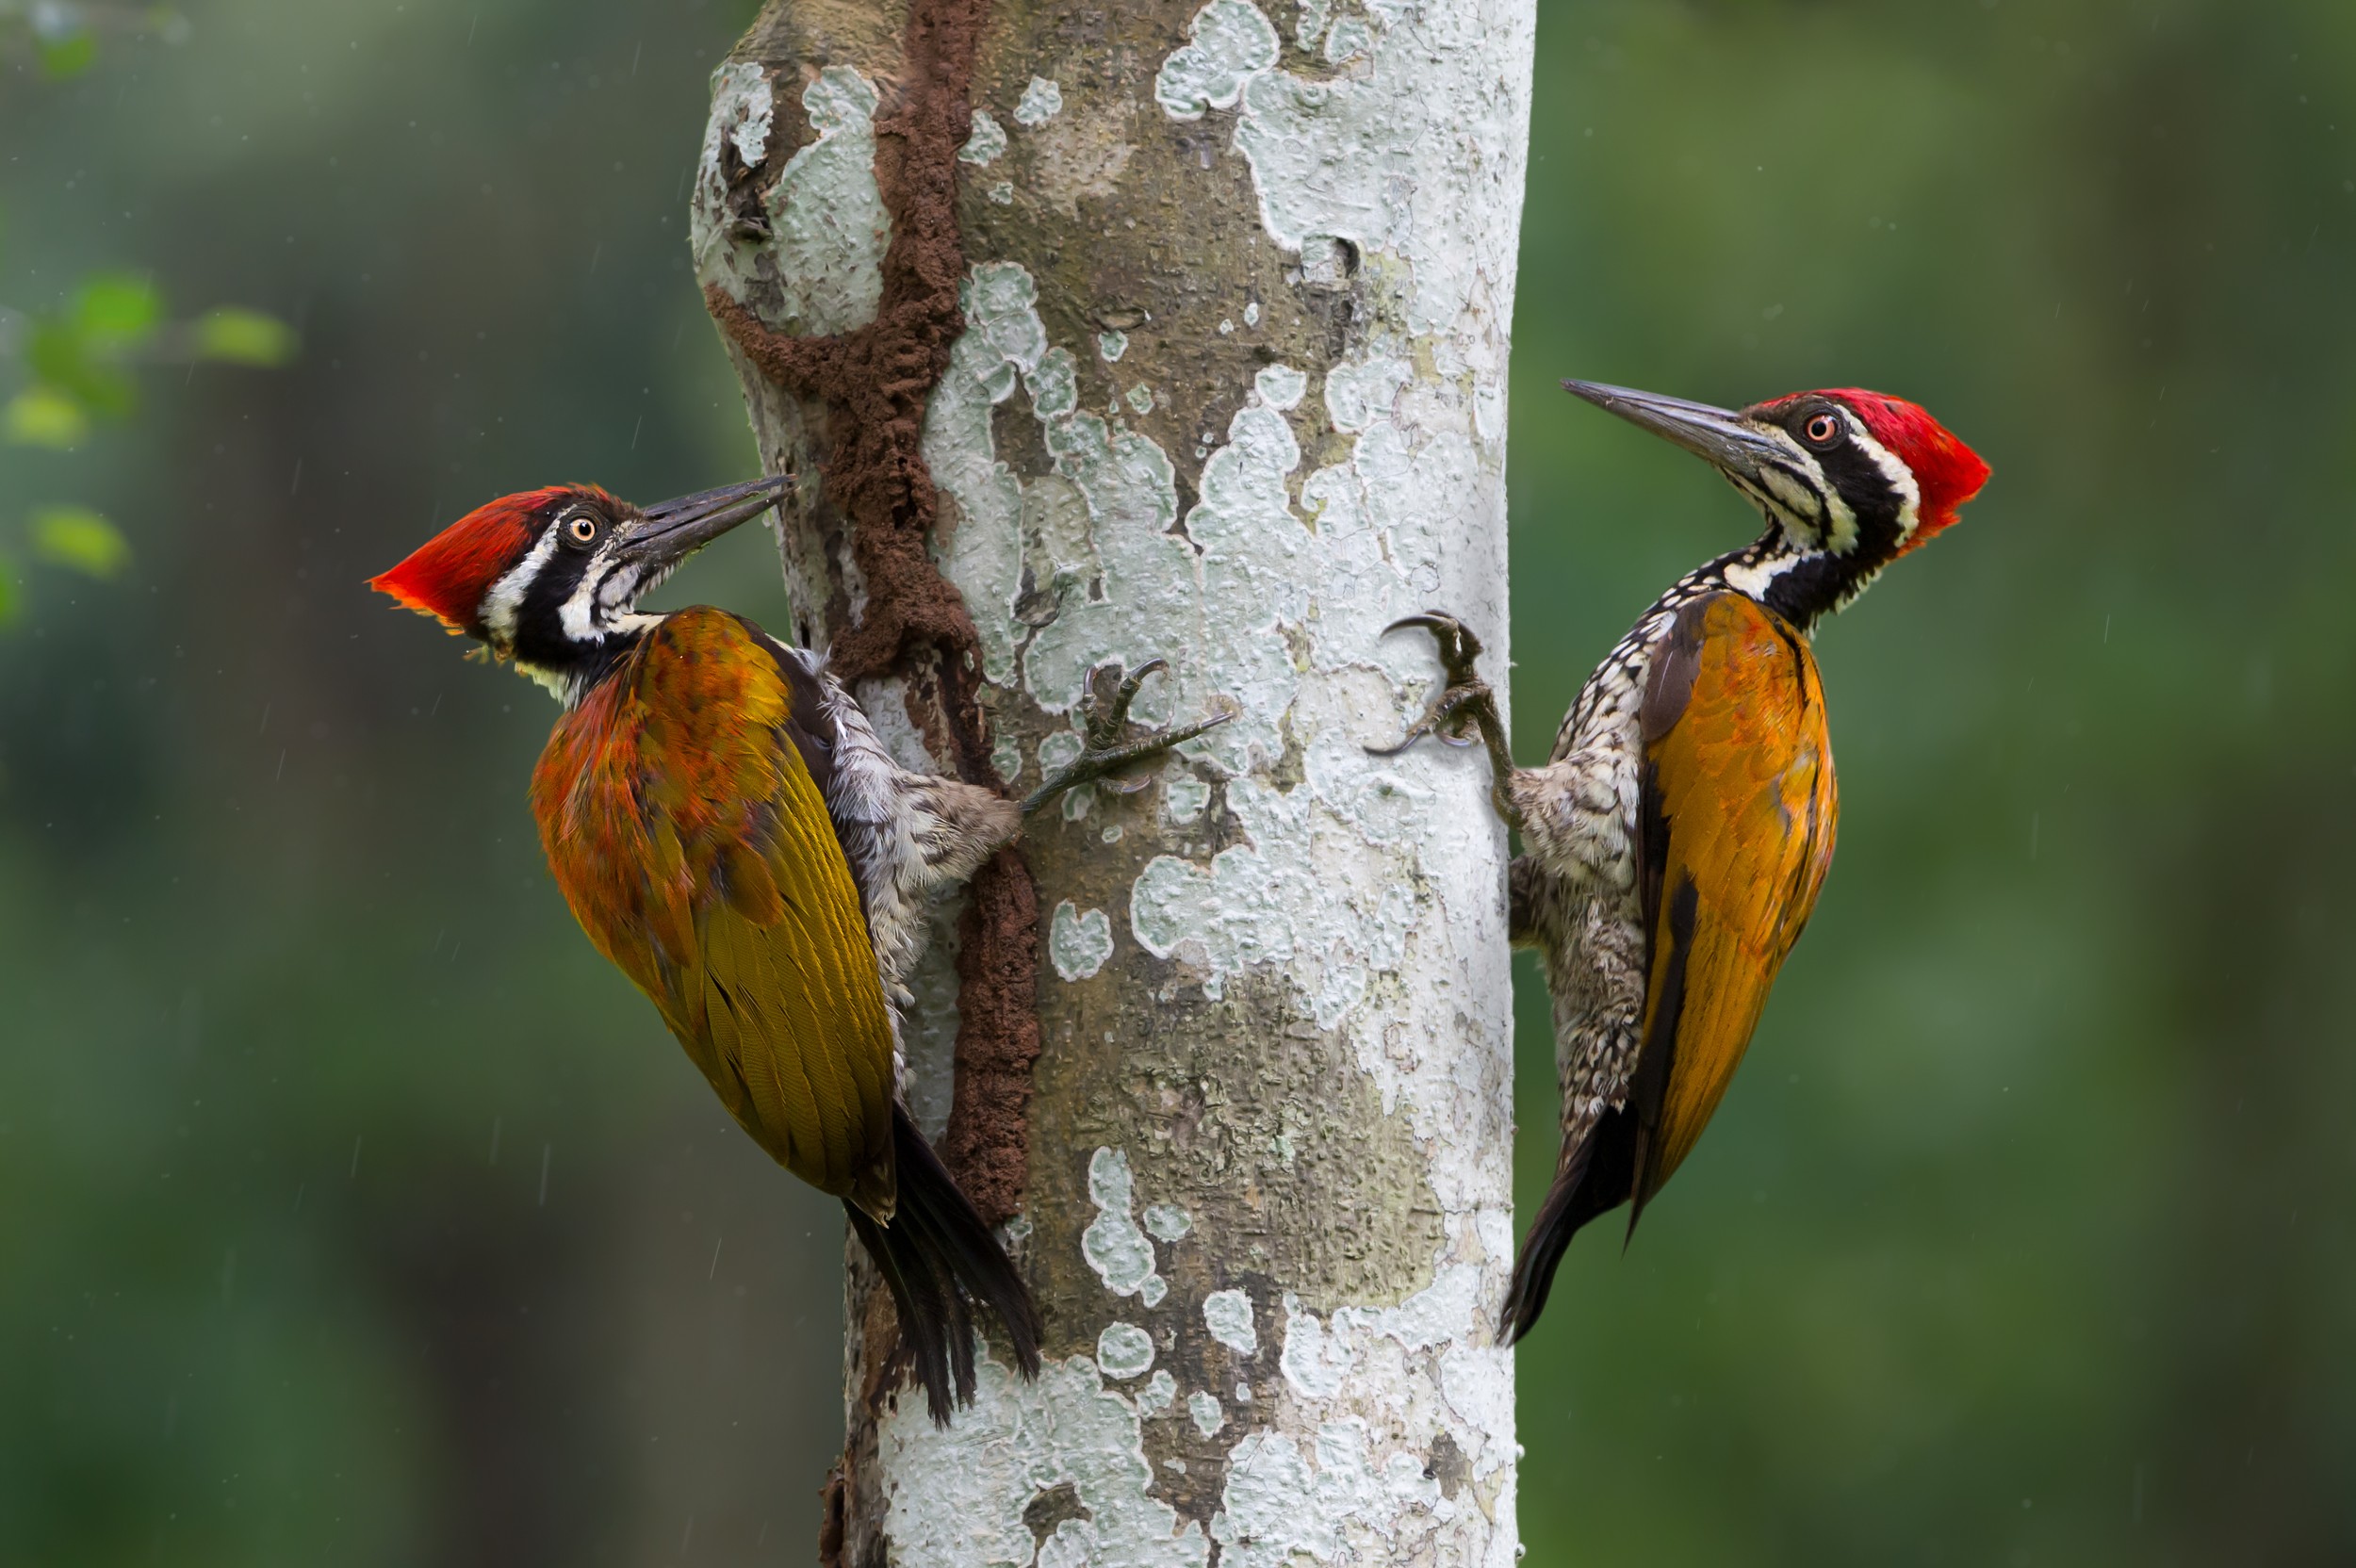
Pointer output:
1158, 330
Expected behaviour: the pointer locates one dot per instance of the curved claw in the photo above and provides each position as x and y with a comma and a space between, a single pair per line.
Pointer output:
1136, 677
1460, 649
1104, 726
1413, 734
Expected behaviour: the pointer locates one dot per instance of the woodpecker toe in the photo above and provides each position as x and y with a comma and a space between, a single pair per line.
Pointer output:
1104, 752
1463, 696
1460, 648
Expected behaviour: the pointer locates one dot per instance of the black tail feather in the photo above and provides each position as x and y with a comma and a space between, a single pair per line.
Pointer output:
938, 1261
917, 1296
1596, 1178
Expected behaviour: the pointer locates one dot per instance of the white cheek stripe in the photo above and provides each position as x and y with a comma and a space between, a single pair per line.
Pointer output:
507, 595
1901, 480
600, 604
578, 614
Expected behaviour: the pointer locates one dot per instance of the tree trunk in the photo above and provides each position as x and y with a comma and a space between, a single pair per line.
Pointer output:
1190, 343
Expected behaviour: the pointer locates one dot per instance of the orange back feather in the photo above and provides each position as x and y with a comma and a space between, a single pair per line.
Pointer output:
695, 850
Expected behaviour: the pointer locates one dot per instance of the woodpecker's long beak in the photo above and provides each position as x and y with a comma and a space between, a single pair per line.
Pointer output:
671, 531
1719, 435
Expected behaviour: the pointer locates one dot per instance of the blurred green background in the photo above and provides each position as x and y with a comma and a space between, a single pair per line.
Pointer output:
353, 1211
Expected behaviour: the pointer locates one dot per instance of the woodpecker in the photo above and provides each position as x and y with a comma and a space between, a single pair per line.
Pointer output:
1676, 838
730, 832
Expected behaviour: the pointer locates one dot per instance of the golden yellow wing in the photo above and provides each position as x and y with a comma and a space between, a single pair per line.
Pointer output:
1735, 834
695, 847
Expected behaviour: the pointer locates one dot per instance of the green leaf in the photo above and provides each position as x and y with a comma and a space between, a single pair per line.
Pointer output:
66, 56
7, 590
244, 338
78, 538
44, 416
116, 310
60, 356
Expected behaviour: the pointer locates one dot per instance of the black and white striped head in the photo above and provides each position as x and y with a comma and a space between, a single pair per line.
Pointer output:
1847, 479
551, 579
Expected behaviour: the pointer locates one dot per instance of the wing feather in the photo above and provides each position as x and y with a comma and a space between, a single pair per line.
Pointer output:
688, 835
1739, 810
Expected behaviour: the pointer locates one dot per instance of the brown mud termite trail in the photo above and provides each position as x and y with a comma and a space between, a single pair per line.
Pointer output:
876, 381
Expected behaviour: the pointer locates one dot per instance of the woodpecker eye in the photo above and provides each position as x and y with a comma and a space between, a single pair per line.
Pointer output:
581, 529
1821, 430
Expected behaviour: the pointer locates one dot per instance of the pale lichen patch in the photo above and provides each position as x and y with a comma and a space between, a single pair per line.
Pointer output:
1278, 1506
744, 113
744, 108
1184, 796
1054, 384
1079, 942
1230, 42
986, 140
1124, 1350
958, 1495
1315, 1364
1228, 1315
1167, 1221
1280, 386
1058, 749
982, 546
1358, 392
1042, 100
1349, 37
1113, 1245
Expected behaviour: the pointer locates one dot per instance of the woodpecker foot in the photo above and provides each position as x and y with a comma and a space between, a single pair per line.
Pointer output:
1104, 751
1466, 711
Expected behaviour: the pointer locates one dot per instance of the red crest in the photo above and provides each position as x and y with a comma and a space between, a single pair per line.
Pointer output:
447, 576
